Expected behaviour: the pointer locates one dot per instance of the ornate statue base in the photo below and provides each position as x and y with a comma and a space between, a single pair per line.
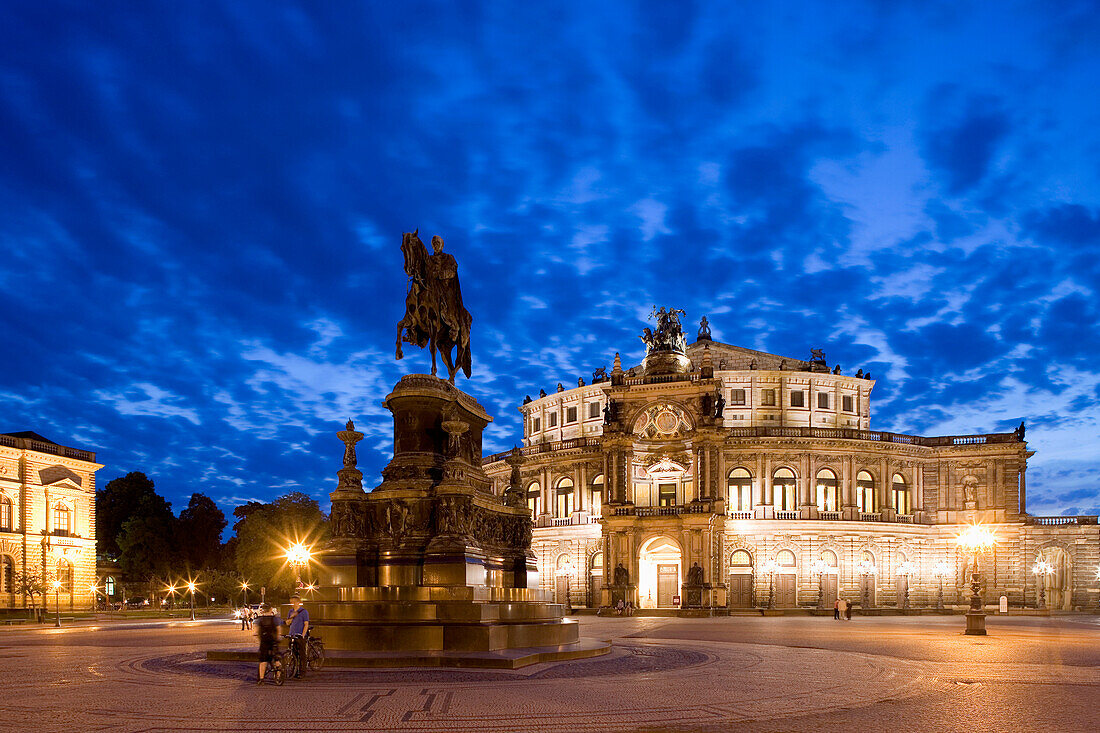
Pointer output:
431, 560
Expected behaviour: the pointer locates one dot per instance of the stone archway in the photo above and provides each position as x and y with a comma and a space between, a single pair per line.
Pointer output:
1057, 585
660, 563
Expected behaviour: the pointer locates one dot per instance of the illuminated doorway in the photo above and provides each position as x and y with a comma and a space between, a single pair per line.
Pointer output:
659, 563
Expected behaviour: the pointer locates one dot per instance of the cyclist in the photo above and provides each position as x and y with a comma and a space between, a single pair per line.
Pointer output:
267, 626
298, 619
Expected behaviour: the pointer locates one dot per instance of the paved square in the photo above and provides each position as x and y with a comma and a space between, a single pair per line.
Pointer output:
775, 674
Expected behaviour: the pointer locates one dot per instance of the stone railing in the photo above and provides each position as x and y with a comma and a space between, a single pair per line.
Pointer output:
560, 521
594, 518
830, 516
904, 518
786, 515
550, 447
741, 515
37, 445
702, 507
1054, 521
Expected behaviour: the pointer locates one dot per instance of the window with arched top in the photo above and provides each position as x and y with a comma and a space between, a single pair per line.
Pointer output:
563, 498
65, 576
785, 559
867, 556
595, 496
109, 586
784, 496
534, 494
900, 495
5, 514
597, 562
741, 559
826, 491
829, 558
7, 574
740, 490
62, 520
865, 492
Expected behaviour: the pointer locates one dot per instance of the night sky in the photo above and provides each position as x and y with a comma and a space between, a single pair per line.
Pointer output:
201, 208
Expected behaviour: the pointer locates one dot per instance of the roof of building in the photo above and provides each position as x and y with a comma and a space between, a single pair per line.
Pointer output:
31, 435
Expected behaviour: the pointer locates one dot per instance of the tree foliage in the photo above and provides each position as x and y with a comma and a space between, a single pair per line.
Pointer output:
199, 532
264, 531
120, 501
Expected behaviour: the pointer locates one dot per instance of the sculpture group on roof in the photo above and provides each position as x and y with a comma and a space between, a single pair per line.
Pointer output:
669, 335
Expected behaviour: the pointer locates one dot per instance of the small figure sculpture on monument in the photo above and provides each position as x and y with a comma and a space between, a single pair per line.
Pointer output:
580, 381
349, 448
867, 375
600, 375
526, 399
622, 575
704, 330
694, 575
434, 314
859, 374
1020, 432
836, 369
669, 335
542, 393
752, 364
560, 388
719, 405
609, 412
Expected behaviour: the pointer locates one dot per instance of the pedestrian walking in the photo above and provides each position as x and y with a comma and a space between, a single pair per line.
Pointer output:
298, 619
267, 625
841, 608
243, 613
848, 612
836, 609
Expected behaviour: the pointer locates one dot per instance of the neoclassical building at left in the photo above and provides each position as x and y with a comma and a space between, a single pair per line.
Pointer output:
47, 518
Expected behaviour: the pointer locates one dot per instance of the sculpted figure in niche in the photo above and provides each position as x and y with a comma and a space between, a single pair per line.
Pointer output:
622, 575
970, 490
694, 575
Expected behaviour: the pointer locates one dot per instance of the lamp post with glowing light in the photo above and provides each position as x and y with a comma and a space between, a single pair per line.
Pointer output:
298, 555
906, 568
976, 539
818, 567
57, 603
941, 571
244, 593
191, 592
94, 590
170, 598
771, 567
1042, 569
567, 571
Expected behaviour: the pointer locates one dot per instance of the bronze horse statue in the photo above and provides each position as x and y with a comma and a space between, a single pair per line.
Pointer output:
434, 314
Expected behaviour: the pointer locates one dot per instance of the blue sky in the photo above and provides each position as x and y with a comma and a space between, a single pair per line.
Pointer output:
201, 207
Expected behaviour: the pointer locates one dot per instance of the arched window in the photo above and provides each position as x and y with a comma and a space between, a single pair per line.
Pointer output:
741, 559
900, 494
62, 520
785, 559
829, 558
109, 586
865, 492
7, 575
563, 500
533, 494
783, 490
595, 496
740, 490
826, 491
5, 514
65, 576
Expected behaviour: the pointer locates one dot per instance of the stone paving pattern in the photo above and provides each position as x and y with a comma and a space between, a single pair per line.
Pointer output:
754, 674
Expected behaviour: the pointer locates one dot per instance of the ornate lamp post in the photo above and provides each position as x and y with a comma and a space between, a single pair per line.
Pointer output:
298, 555
191, 591
866, 569
819, 568
771, 567
976, 539
244, 593
906, 568
57, 603
1042, 569
567, 571
941, 571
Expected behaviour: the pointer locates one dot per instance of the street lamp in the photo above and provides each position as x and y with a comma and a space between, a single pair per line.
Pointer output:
976, 539
865, 568
771, 567
298, 555
171, 591
906, 568
568, 571
57, 603
191, 590
1042, 569
819, 568
94, 590
941, 571
244, 593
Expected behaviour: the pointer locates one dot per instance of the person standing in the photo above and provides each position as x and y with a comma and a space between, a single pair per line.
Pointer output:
847, 611
244, 617
836, 609
267, 625
298, 619
841, 608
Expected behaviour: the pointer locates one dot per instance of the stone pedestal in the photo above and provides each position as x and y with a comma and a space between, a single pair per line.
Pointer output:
431, 559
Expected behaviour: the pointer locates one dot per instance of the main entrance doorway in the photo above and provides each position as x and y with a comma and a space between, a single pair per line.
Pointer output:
659, 564
741, 577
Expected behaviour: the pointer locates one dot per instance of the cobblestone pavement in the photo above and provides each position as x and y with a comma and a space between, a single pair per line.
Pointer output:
775, 674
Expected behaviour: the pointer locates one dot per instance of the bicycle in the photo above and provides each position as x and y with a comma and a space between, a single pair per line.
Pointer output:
277, 666
315, 652
290, 659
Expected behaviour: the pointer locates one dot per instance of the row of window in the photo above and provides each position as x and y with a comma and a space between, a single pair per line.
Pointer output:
563, 497
785, 494
797, 397
570, 417
62, 517
787, 559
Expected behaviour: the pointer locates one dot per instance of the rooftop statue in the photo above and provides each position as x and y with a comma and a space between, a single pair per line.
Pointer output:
434, 314
669, 335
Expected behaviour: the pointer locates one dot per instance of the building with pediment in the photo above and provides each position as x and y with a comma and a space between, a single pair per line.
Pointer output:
714, 477
47, 518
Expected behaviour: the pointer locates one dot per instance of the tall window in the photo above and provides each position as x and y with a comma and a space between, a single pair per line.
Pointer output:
595, 496
571, 414
826, 490
900, 490
823, 400
536, 425
7, 575
783, 490
552, 420
847, 403
737, 396
109, 586
767, 397
533, 493
666, 495
65, 575
865, 492
593, 409
563, 501
740, 490
798, 398
5, 514
62, 520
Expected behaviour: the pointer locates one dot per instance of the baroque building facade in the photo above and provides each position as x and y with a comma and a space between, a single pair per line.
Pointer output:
47, 519
715, 477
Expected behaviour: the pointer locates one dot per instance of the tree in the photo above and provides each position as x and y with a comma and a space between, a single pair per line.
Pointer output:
118, 502
30, 584
264, 531
199, 532
148, 539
